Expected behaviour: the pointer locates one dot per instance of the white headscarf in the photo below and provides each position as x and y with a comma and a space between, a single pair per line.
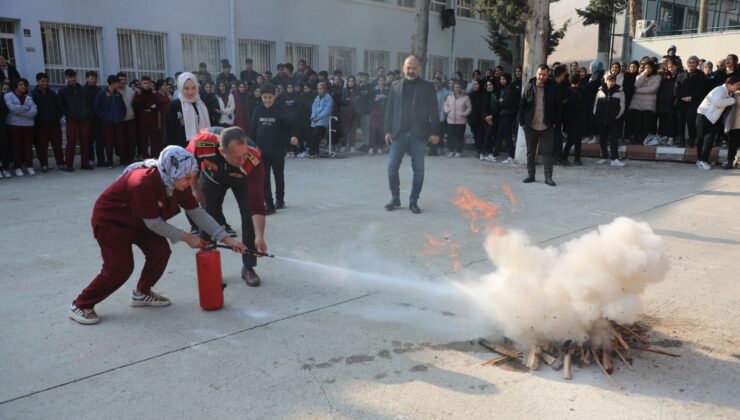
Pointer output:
193, 122
173, 163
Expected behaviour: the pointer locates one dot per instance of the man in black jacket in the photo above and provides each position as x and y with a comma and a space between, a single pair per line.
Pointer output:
7, 71
47, 123
75, 106
539, 112
248, 75
411, 118
689, 94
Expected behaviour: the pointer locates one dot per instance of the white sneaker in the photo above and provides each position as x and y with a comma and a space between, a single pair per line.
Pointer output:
83, 316
451, 154
508, 161
617, 163
351, 149
602, 161
490, 158
669, 142
482, 156
458, 155
371, 151
704, 166
19, 172
151, 299
30, 171
6, 173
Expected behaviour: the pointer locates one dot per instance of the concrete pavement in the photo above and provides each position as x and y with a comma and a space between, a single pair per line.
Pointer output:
306, 346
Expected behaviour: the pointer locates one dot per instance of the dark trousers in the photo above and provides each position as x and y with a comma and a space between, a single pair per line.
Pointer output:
97, 142
44, 136
215, 194
490, 134
435, 148
686, 117
667, 124
147, 136
130, 135
116, 243
22, 138
77, 129
377, 136
645, 126
544, 139
706, 132
608, 140
4, 149
456, 137
507, 123
732, 144
317, 134
574, 141
631, 124
477, 130
406, 143
557, 142
114, 138
276, 166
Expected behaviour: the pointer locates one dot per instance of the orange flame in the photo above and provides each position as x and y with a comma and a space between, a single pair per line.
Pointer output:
510, 194
474, 208
435, 248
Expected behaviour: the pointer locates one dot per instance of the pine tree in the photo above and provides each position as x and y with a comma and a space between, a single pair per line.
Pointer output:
602, 12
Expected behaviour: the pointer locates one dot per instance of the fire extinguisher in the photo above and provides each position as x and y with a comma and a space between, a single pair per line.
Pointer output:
210, 281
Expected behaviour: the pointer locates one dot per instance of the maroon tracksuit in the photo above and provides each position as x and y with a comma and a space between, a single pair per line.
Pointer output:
22, 140
163, 102
145, 106
81, 129
44, 135
118, 224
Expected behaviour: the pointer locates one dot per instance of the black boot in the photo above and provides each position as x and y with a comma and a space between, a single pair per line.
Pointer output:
393, 204
549, 182
528, 179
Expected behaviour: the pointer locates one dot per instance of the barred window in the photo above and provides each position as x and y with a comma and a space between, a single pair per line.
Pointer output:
465, 66
7, 46
375, 59
142, 53
439, 5
262, 54
342, 58
295, 52
465, 8
401, 57
484, 65
437, 63
407, 3
198, 49
69, 46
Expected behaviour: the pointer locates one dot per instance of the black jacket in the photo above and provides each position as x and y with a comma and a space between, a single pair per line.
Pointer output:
271, 129
608, 106
91, 92
690, 84
573, 112
628, 87
74, 104
476, 103
666, 100
508, 99
12, 74
248, 76
3, 113
424, 114
48, 107
553, 104
174, 131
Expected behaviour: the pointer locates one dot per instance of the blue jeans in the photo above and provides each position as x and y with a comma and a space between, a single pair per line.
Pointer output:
406, 142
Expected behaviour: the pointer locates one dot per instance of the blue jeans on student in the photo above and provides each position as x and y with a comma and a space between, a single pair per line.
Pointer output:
416, 147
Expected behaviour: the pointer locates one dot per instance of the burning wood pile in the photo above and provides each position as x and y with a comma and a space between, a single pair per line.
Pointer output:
562, 356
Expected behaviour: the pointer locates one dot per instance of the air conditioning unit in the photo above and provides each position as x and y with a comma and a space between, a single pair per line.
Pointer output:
646, 29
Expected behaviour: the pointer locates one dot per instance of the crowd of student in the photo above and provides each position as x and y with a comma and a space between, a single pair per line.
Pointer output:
653, 102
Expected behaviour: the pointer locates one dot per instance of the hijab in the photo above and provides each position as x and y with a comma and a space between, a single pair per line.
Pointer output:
173, 163
192, 121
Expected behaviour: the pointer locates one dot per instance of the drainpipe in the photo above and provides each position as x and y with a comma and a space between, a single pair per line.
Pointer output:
232, 34
703, 15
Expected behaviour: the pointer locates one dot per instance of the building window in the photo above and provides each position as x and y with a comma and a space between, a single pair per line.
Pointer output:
142, 53
69, 46
438, 6
7, 38
198, 49
437, 63
400, 59
262, 54
465, 8
342, 58
295, 52
465, 66
407, 3
484, 65
375, 59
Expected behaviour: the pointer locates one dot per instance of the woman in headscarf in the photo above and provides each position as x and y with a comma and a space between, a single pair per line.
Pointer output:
187, 114
133, 211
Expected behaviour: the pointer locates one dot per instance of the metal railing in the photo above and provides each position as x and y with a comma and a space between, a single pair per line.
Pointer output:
297, 51
679, 17
262, 54
142, 53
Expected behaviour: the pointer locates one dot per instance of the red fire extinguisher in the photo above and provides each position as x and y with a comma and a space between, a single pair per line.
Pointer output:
210, 282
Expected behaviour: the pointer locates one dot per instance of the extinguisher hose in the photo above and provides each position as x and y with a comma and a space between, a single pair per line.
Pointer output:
248, 251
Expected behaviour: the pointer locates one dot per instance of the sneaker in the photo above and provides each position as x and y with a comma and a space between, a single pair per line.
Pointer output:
30, 171
669, 142
150, 299
482, 156
704, 166
83, 316
508, 161
617, 163
6, 173
451, 154
458, 155
19, 172
231, 231
602, 161
490, 158
194, 231
371, 151
302, 155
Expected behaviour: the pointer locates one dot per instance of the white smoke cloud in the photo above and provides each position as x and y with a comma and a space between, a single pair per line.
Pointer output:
549, 294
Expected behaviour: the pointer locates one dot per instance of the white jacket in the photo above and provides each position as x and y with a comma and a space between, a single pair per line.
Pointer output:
715, 103
227, 110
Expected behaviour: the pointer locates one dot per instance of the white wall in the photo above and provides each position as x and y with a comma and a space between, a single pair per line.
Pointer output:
711, 46
361, 24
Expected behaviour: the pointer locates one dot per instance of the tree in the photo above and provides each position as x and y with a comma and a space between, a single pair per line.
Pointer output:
602, 12
506, 28
420, 37
635, 15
